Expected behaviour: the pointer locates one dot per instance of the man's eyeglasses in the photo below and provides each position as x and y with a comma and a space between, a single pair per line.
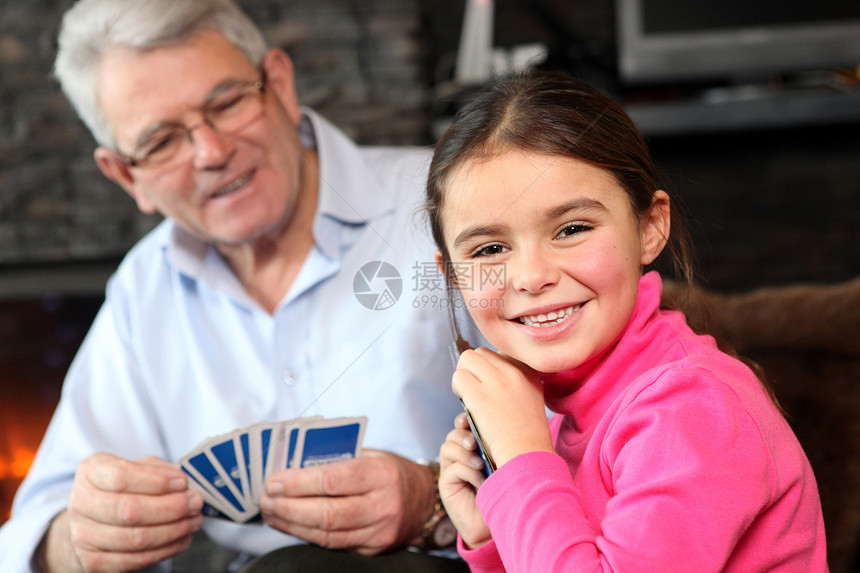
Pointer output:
227, 111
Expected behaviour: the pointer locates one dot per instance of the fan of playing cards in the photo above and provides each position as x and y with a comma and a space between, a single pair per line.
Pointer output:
229, 471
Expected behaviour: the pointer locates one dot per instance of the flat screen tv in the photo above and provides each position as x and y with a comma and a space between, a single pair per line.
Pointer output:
670, 41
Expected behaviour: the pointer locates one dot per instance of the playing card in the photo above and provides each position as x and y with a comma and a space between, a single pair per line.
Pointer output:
230, 463
220, 492
243, 438
259, 437
209, 501
326, 441
229, 471
278, 447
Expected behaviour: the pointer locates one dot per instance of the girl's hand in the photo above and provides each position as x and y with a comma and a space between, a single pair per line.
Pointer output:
459, 478
505, 399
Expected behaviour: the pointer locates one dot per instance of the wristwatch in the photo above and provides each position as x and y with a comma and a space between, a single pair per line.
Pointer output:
438, 532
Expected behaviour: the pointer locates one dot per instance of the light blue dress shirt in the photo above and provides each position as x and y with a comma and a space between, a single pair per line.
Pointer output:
179, 351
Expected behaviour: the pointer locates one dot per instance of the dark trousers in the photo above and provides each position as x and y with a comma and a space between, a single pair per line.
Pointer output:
314, 559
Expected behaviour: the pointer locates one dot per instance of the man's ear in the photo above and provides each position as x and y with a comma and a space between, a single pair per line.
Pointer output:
118, 171
280, 79
656, 224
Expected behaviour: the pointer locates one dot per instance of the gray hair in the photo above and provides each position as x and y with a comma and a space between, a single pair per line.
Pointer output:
91, 28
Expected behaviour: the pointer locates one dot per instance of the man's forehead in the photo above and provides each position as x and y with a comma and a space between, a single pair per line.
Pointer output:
137, 88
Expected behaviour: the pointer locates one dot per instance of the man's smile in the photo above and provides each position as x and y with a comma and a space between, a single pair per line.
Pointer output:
233, 185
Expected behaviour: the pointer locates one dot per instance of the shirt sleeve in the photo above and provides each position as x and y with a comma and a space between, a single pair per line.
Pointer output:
102, 409
679, 474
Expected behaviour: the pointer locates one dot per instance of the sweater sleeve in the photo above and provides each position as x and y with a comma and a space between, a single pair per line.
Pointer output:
484, 559
672, 480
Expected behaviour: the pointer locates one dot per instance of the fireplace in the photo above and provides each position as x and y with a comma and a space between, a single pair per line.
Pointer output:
38, 339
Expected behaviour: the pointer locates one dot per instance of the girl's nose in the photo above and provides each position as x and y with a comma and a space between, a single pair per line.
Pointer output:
532, 272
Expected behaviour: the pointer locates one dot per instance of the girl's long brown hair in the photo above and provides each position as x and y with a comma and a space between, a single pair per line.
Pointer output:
554, 114
551, 113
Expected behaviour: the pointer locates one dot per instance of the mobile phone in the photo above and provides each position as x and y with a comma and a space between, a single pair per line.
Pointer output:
489, 464
459, 346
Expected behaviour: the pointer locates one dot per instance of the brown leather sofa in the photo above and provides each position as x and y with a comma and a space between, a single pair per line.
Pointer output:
806, 338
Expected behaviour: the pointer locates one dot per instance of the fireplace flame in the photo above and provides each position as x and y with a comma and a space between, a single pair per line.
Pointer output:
18, 445
17, 466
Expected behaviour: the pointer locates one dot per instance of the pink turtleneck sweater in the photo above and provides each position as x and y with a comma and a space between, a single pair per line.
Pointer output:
670, 457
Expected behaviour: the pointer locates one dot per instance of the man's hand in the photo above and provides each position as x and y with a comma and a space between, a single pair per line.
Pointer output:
369, 504
122, 516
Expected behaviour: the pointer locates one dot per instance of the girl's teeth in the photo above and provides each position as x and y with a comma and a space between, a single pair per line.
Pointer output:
549, 319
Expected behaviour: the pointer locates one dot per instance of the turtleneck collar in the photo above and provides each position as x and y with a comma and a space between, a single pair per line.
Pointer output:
587, 391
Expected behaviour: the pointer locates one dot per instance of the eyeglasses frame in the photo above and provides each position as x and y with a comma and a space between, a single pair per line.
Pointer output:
142, 163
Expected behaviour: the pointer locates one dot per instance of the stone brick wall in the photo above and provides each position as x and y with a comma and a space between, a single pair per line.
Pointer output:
362, 63
767, 207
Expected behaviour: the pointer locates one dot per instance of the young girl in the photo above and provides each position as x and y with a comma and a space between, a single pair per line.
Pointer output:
665, 454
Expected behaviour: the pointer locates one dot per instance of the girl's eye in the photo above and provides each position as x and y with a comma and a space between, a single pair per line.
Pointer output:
488, 251
571, 229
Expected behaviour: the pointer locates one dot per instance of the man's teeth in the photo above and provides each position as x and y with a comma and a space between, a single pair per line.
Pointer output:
550, 318
232, 186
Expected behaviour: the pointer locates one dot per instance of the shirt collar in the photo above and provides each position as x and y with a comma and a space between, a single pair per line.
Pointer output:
350, 195
349, 190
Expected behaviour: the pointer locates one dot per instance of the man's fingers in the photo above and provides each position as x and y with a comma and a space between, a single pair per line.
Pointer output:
349, 505
350, 477
347, 540
110, 473
339, 523
154, 461
96, 537
130, 561
327, 513
124, 509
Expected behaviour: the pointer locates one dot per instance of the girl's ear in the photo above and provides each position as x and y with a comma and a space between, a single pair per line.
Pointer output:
440, 262
656, 224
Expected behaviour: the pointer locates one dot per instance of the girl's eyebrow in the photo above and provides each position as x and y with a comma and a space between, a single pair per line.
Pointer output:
552, 213
575, 205
476, 231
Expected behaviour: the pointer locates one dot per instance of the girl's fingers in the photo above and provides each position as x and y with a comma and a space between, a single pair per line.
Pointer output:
458, 474
457, 451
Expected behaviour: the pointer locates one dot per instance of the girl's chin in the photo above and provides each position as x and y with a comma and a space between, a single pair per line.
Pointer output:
538, 357
545, 365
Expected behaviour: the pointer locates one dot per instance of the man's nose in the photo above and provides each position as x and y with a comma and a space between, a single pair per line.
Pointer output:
211, 148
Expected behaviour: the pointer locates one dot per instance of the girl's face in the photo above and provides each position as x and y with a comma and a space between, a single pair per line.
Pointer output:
548, 254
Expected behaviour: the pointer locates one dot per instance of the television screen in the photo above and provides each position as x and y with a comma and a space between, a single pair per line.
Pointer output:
678, 40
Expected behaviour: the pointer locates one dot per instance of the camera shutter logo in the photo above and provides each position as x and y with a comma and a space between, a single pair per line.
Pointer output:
377, 285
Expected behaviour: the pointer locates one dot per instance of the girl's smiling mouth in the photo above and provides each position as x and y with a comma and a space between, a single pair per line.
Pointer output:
552, 318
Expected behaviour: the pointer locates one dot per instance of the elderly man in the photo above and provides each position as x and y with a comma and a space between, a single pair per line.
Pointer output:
240, 307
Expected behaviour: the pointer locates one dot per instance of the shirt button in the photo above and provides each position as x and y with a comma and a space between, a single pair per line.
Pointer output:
290, 377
